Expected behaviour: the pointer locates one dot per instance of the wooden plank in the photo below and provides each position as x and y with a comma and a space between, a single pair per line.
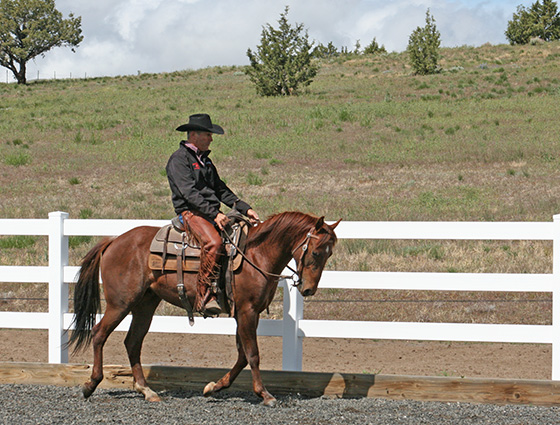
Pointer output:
312, 384
473, 390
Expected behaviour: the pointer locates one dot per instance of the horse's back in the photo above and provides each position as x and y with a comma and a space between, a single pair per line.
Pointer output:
139, 235
129, 250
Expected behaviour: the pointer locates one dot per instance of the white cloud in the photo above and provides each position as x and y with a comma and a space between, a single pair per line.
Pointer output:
126, 36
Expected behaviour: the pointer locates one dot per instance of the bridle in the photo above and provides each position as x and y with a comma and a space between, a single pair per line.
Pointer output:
303, 245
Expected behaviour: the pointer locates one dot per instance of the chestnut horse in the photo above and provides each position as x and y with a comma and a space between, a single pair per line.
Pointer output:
131, 287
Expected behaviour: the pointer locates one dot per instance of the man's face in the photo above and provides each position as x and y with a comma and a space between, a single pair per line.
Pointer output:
201, 139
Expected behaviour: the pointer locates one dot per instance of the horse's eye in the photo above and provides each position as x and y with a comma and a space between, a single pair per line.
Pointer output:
315, 254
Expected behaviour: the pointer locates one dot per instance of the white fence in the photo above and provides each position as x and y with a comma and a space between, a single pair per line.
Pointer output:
293, 328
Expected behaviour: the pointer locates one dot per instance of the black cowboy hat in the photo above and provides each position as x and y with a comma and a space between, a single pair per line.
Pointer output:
201, 122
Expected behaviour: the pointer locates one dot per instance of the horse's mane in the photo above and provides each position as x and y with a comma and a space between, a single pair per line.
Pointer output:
275, 227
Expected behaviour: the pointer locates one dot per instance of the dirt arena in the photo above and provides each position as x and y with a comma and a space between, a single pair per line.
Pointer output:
484, 360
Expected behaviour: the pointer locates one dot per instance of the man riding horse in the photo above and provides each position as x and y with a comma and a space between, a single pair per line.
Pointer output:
197, 194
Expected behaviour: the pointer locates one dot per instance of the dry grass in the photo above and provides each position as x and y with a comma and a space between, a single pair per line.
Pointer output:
426, 306
368, 141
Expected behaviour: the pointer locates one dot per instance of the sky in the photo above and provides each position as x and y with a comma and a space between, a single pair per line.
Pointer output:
125, 37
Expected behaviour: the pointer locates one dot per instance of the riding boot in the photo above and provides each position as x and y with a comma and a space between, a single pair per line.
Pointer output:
207, 284
211, 248
210, 305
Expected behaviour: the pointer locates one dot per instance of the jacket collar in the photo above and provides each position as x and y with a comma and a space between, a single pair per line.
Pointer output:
194, 149
200, 156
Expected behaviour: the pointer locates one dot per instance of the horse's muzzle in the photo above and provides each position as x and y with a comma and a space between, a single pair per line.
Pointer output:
307, 292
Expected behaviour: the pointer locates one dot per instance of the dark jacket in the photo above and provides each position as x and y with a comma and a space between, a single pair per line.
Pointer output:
195, 187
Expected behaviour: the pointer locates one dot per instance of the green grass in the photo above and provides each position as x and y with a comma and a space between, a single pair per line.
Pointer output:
17, 159
17, 242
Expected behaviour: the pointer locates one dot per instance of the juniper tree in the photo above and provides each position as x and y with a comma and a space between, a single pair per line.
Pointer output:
540, 20
283, 60
324, 52
374, 47
423, 47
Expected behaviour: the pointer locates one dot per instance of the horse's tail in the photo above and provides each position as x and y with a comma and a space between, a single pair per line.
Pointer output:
87, 301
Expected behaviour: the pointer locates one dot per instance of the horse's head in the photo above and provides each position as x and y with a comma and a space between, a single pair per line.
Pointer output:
312, 254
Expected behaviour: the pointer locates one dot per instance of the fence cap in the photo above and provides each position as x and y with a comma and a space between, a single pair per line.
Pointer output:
59, 214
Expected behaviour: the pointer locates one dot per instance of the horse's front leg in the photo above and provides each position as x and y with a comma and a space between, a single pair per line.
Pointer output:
247, 322
248, 333
228, 378
248, 352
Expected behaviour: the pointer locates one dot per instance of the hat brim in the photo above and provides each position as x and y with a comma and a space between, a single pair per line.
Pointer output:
216, 129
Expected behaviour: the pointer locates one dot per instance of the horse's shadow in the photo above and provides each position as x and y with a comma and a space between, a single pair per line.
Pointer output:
129, 394
224, 396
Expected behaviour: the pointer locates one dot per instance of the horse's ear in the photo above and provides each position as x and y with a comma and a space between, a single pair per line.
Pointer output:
319, 223
333, 226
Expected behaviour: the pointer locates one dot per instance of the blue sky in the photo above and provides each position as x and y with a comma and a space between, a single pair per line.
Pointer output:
122, 37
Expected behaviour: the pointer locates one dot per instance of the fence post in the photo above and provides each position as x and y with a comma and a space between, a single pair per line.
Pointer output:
556, 300
58, 290
292, 343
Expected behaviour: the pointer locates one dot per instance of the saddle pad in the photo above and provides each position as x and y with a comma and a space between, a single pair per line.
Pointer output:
174, 242
155, 262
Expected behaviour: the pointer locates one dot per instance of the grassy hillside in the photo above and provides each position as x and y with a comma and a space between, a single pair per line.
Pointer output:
367, 141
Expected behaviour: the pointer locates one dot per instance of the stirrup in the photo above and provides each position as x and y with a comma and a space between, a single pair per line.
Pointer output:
212, 308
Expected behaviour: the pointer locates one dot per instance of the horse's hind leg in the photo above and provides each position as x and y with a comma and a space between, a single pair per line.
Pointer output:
101, 332
141, 320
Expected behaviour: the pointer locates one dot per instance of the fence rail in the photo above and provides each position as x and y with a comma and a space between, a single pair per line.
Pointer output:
293, 328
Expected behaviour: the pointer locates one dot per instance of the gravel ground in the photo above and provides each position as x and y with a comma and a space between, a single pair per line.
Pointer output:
35, 404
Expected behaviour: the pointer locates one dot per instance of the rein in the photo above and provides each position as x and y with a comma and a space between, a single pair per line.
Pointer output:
303, 245
275, 276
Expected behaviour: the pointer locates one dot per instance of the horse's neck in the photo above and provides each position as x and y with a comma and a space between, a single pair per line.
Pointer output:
275, 256
273, 259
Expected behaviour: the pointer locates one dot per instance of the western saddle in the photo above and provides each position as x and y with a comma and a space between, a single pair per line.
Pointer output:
174, 250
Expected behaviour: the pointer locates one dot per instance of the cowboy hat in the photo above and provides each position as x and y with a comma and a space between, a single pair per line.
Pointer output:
201, 122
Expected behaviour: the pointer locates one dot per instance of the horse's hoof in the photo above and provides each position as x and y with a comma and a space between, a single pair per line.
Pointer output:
87, 391
153, 398
270, 403
149, 395
209, 389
